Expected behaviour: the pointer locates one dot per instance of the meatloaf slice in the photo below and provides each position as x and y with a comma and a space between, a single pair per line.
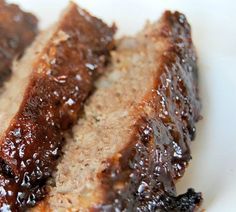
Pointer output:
133, 142
43, 98
17, 30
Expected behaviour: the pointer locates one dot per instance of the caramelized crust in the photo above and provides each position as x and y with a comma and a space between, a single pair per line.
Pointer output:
142, 176
61, 79
17, 30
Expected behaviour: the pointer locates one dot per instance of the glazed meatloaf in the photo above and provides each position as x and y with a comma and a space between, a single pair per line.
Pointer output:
43, 99
17, 30
133, 141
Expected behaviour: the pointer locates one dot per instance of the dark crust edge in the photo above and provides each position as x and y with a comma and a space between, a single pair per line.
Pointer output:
17, 31
61, 80
142, 176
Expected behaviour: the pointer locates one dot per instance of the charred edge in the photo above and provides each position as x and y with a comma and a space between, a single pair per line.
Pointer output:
33, 141
5, 169
184, 202
142, 176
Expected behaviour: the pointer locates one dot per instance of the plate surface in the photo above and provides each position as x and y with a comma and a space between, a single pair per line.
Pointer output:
212, 169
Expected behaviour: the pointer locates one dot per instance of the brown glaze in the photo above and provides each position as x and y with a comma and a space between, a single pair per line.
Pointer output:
142, 176
61, 80
17, 30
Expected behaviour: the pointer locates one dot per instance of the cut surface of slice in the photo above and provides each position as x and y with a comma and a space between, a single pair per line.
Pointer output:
43, 99
17, 31
133, 141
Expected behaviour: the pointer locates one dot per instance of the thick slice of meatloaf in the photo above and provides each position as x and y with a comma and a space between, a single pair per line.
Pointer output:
133, 142
43, 98
17, 30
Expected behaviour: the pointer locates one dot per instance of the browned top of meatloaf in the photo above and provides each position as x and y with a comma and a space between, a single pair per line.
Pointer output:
17, 30
58, 80
133, 140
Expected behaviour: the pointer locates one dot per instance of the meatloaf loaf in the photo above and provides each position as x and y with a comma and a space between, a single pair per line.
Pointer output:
43, 99
133, 141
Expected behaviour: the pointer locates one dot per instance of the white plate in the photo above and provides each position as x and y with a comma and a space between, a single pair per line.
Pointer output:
212, 169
